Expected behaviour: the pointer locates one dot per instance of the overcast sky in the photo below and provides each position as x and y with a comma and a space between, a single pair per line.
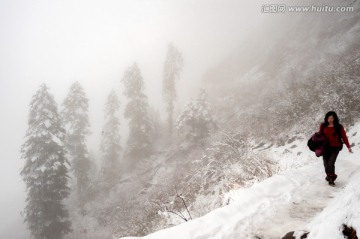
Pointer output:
93, 42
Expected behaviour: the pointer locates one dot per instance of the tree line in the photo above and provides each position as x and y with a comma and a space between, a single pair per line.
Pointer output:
57, 160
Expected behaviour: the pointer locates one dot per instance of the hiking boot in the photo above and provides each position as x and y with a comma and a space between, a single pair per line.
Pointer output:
333, 177
331, 183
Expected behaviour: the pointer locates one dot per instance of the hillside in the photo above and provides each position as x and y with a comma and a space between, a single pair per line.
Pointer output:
267, 98
290, 73
295, 200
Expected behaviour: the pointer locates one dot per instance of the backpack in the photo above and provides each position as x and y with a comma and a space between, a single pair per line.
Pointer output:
311, 144
317, 143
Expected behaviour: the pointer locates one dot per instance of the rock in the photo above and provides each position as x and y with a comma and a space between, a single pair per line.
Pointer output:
349, 232
290, 235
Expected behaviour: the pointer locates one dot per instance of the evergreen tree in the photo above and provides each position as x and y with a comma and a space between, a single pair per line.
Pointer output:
45, 170
156, 123
137, 111
76, 124
172, 69
196, 121
110, 141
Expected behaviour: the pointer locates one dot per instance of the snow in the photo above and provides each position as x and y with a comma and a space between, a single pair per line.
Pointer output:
47, 123
42, 168
345, 209
298, 199
56, 139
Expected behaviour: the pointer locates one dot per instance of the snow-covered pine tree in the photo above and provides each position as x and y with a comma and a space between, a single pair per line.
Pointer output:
45, 171
158, 126
172, 69
196, 121
110, 142
139, 143
76, 124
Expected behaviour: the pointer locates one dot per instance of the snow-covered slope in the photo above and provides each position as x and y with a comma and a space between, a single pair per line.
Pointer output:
273, 82
295, 200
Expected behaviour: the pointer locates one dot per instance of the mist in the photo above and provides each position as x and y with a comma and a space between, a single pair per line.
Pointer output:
94, 42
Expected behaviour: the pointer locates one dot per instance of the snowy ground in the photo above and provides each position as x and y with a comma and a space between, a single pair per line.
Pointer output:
298, 199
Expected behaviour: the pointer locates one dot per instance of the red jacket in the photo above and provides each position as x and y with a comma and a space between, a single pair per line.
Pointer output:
333, 138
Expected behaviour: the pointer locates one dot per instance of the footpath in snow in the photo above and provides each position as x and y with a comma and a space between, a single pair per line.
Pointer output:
296, 200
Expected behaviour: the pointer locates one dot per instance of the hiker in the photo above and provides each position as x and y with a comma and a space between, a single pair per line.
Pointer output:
335, 136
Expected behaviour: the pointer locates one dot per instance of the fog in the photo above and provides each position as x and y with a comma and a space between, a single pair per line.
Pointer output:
93, 42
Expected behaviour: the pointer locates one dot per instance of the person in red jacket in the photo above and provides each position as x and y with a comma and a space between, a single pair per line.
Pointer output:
334, 133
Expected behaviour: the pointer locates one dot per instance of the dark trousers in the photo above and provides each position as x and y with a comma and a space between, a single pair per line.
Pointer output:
329, 158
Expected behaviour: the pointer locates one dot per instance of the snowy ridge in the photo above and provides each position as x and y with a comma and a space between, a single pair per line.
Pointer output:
298, 199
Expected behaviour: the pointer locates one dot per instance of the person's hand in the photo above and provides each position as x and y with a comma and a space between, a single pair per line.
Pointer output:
350, 150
